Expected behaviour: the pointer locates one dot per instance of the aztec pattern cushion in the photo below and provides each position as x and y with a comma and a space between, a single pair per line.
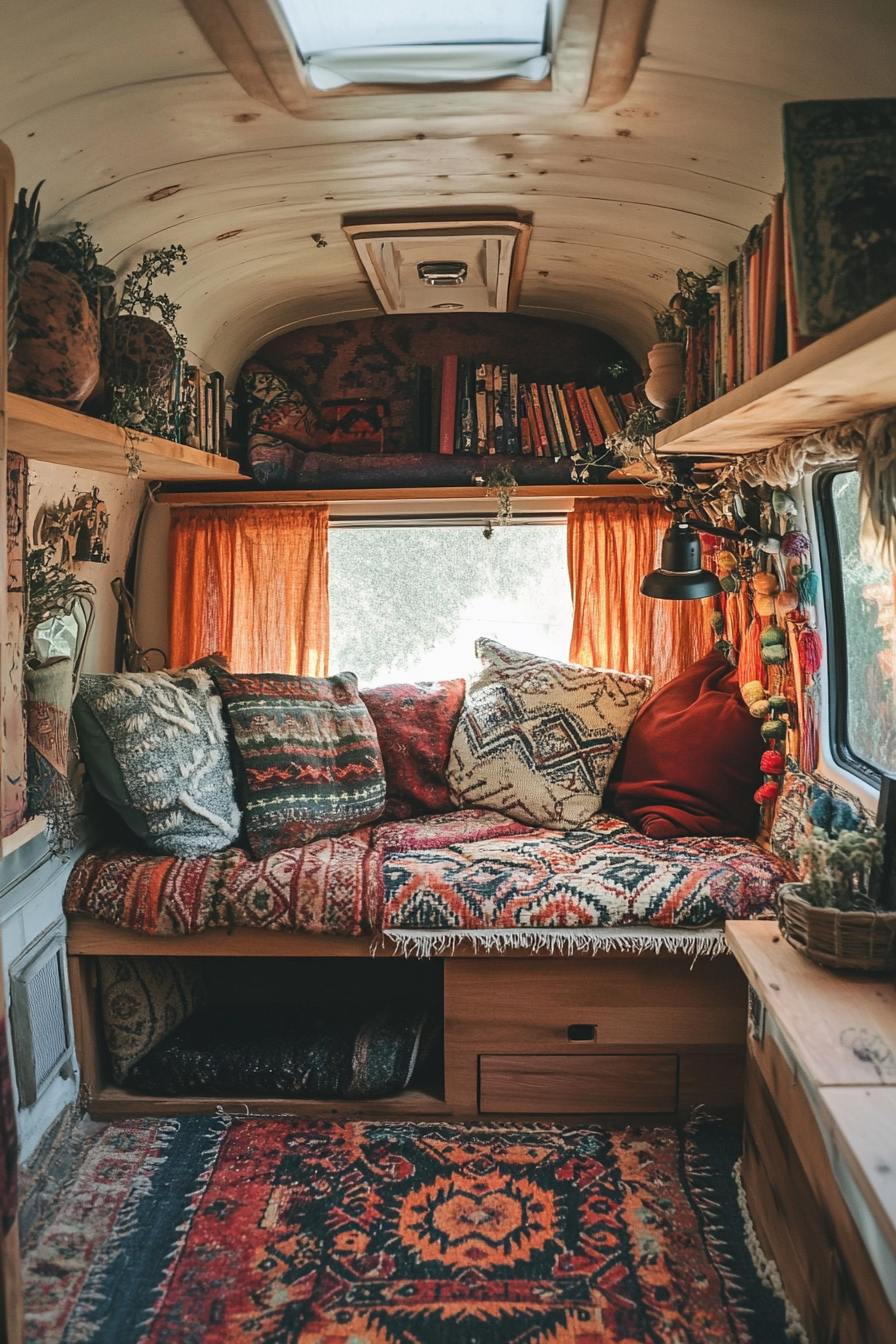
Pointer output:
604, 876
277, 409
537, 739
272, 1050
155, 747
322, 887
310, 758
690, 765
144, 999
415, 724
807, 801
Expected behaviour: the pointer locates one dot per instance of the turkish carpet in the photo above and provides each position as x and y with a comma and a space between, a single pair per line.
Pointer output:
202, 1230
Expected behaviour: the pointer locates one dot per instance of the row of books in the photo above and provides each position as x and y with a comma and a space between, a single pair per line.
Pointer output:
201, 408
489, 408
752, 322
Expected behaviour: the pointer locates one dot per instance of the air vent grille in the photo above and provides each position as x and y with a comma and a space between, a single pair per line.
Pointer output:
39, 1020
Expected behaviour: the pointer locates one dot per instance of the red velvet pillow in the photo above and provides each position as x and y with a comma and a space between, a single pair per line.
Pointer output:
690, 763
415, 723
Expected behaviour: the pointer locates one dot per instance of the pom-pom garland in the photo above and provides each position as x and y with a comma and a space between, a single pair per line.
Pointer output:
728, 583
779, 703
794, 544
726, 562
772, 763
752, 691
766, 584
772, 634
807, 584
773, 654
717, 622
767, 792
786, 602
759, 709
763, 606
774, 729
809, 649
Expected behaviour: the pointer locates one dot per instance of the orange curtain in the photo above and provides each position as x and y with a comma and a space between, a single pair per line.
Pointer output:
252, 583
611, 545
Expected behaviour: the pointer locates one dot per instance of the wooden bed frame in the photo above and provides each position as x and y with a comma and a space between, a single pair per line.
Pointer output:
524, 1033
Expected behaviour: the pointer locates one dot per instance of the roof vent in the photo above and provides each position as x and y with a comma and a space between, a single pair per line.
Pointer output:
405, 260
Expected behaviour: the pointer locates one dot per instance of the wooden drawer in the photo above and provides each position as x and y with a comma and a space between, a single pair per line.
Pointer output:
572, 1084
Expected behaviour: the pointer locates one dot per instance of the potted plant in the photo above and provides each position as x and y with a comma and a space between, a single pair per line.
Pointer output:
833, 915
663, 387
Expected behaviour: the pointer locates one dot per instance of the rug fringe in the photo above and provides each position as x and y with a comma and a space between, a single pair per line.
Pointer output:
565, 942
765, 1267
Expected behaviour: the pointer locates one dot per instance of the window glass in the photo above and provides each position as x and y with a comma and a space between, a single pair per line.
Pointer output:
407, 603
421, 41
869, 610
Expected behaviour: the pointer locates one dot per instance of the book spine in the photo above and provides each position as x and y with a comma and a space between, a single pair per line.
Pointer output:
481, 409
753, 312
458, 406
574, 416
774, 271
541, 434
590, 420
448, 404
500, 428
550, 429
490, 405
557, 418
604, 414
566, 420
514, 385
528, 431
468, 409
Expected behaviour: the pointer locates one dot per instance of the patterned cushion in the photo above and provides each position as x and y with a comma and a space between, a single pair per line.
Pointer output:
606, 876
311, 763
155, 747
323, 887
144, 999
277, 409
537, 739
807, 801
415, 724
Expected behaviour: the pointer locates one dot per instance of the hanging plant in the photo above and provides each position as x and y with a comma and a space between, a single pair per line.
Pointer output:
501, 484
692, 304
50, 587
76, 254
141, 346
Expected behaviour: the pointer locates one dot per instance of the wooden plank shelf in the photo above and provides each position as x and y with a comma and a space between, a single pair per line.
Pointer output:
52, 434
553, 495
848, 373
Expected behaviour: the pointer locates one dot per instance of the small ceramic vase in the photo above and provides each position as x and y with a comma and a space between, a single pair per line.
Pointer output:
666, 375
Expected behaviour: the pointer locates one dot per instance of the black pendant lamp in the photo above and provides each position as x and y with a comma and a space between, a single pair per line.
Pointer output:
681, 575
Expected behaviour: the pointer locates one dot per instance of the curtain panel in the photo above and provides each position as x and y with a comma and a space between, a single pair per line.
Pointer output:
250, 582
611, 545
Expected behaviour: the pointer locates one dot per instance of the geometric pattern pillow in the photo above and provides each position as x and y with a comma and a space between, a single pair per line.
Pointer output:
806, 802
155, 747
277, 409
415, 724
143, 1000
310, 758
537, 739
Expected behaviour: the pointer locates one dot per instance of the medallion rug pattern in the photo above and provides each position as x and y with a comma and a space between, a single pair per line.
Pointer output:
291, 1231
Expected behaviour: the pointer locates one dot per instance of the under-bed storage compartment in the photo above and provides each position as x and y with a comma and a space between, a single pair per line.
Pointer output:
570, 1085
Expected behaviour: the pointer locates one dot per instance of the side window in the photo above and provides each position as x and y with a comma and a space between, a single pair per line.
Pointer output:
860, 603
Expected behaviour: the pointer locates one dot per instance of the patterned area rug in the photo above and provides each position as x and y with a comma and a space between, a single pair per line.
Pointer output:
212, 1230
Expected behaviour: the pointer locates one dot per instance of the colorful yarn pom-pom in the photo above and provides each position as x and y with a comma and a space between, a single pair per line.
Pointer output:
772, 763
806, 585
794, 543
810, 651
766, 792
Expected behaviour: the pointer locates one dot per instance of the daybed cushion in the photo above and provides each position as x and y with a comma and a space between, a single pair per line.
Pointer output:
318, 888
155, 748
277, 1050
537, 739
603, 876
415, 723
310, 762
144, 999
690, 764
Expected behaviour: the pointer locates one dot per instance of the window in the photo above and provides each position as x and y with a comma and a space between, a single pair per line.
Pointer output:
422, 41
408, 602
861, 603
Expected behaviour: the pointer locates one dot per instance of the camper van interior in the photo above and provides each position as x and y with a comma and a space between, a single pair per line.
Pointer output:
448, 672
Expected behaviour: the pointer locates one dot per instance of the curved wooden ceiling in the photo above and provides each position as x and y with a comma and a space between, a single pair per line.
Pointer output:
113, 103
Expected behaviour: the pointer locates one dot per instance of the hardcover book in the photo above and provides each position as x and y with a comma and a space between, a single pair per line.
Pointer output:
840, 164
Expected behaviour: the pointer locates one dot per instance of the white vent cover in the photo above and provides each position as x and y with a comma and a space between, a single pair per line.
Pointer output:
39, 1019
471, 266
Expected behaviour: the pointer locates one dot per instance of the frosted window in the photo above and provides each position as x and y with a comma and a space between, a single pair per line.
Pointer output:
407, 603
421, 41
869, 608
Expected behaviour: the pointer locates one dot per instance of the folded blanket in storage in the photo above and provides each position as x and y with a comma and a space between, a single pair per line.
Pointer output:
464, 870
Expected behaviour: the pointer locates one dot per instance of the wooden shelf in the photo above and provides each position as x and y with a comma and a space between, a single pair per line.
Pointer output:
111, 1102
51, 434
848, 373
411, 494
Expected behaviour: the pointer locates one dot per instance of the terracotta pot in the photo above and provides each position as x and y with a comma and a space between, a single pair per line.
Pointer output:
57, 352
138, 352
666, 375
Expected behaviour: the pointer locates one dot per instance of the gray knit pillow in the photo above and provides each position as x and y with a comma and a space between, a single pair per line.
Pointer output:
155, 747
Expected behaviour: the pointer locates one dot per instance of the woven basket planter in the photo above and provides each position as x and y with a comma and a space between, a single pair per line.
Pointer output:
848, 940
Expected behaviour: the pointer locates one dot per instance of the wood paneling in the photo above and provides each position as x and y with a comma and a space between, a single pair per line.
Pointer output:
863, 1123
88, 937
565, 1085
842, 1028
111, 1102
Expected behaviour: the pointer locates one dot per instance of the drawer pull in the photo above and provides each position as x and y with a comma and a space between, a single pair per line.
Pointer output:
581, 1031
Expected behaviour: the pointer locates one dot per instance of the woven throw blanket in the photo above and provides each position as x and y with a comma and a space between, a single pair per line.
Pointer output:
317, 888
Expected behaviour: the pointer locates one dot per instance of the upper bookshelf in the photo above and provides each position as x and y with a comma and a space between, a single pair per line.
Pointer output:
848, 373
51, 434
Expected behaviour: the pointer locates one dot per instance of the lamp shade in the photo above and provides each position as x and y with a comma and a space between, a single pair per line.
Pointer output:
681, 575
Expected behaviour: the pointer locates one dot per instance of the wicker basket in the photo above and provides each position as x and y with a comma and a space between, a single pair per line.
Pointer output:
853, 940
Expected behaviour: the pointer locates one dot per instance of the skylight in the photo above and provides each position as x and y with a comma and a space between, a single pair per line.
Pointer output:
422, 41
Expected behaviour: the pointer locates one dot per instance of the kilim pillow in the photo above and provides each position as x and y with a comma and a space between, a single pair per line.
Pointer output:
155, 747
807, 801
310, 760
537, 739
143, 1000
415, 724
